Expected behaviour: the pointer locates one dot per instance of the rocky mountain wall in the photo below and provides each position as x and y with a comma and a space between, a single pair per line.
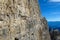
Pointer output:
20, 20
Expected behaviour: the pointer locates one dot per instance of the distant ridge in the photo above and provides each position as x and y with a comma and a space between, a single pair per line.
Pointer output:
54, 24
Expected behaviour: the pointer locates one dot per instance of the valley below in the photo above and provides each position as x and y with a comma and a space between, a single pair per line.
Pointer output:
54, 30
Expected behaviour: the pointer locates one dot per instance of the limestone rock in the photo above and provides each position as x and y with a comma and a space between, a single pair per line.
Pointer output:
45, 29
20, 20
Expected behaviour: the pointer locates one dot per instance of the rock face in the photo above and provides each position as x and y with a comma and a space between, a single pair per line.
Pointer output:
45, 29
20, 20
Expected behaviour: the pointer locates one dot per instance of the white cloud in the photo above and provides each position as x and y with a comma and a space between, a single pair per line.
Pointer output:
54, 18
55, 12
54, 0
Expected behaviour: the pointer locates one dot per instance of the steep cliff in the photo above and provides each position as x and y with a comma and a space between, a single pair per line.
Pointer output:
45, 29
21, 20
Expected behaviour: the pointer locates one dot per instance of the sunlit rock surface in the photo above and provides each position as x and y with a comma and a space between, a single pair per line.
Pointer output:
21, 20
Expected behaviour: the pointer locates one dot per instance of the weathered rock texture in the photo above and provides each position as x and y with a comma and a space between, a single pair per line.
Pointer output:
20, 20
45, 29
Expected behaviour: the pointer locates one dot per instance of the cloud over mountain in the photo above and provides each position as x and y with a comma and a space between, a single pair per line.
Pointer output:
54, 0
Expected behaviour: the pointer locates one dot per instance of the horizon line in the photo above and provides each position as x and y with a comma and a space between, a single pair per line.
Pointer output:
53, 21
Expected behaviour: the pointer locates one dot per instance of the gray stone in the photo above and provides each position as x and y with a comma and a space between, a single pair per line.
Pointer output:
21, 20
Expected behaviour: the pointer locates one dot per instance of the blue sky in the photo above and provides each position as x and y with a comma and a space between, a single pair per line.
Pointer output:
50, 9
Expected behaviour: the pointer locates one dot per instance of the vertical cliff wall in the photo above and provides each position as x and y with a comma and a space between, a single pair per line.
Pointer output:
45, 29
21, 20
